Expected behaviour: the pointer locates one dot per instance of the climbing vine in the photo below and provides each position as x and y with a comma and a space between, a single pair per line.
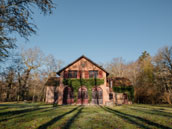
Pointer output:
129, 90
88, 83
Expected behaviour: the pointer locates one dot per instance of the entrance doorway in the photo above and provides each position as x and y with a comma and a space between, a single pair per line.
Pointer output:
82, 95
68, 95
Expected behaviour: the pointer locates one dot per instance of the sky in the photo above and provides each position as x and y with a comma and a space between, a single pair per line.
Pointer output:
103, 29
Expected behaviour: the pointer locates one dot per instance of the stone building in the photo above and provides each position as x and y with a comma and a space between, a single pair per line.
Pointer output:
120, 83
81, 82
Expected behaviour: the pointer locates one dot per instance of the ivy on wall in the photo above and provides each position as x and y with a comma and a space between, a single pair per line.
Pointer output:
129, 90
88, 83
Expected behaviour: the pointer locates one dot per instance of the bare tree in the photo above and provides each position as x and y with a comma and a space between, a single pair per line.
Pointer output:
132, 72
163, 63
25, 74
52, 65
32, 59
116, 67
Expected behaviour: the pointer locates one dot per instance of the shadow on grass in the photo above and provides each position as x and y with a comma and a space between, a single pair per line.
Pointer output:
129, 118
6, 119
51, 122
72, 119
164, 106
18, 105
20, 113
167, 106
4, 108
48, 109
125, 117
17, 112
154, 112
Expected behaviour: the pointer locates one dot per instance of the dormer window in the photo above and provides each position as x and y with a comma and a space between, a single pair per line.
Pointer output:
72, 74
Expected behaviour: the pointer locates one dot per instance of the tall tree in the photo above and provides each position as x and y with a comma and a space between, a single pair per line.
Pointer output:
32, 59
16, 17
145, 88
163, 62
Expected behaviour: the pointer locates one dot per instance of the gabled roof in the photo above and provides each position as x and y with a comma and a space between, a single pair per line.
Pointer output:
78, 60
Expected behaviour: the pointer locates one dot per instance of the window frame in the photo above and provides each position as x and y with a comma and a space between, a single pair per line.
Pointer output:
72, 73
93, 73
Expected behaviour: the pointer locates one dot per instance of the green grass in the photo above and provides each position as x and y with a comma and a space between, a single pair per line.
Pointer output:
43, 116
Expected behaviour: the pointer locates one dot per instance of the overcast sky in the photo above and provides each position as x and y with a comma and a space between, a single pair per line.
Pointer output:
104, 29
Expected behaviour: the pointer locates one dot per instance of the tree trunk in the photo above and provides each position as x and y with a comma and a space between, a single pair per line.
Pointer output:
24, 88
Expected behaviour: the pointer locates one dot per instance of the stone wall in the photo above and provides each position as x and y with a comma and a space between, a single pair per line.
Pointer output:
50, 94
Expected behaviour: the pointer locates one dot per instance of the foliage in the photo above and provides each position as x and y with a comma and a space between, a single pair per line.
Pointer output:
76, 83
16, 17
144, 55
151, 77
163, 73
88, 83
129, 90
145, 83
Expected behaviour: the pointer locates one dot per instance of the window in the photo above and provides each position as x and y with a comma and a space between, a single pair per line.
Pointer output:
72, 74
110, 96
93, 74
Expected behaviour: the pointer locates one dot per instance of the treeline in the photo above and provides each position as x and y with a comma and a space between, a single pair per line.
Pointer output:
150, 76
23, 75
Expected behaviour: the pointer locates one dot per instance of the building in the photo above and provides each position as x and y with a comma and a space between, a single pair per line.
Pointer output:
81, 82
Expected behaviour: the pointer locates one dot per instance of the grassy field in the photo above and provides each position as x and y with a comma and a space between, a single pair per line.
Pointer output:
42, 116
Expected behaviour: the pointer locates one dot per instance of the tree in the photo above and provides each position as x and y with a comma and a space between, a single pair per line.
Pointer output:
10, 75
16, 17
52, 65
132, 72
32, 59
116, 67
24, 75
144, 55
163, 63
146, 92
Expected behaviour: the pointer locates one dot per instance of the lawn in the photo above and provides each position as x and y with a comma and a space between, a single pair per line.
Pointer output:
43, 116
